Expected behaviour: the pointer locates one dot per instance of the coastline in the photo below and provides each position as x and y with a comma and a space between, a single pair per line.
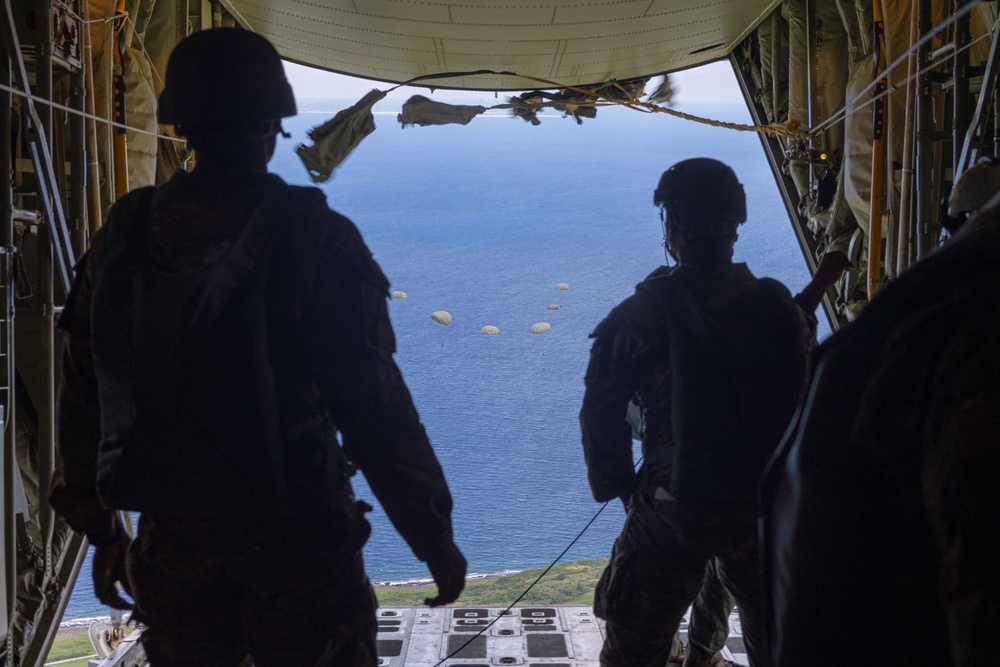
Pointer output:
77, 625
410, 584
566, 583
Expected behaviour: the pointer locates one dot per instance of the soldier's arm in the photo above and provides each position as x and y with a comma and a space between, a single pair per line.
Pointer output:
607, 436
368, 400
831, 266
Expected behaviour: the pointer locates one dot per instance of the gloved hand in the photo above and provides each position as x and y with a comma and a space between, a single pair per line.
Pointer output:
108, 570
448, 569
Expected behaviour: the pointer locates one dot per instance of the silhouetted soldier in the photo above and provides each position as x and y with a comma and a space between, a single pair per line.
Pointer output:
716, 359
222, 329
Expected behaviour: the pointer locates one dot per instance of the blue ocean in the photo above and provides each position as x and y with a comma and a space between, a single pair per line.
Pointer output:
483, 221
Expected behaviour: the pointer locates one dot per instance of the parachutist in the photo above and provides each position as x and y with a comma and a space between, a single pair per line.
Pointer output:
212, 401
715, 359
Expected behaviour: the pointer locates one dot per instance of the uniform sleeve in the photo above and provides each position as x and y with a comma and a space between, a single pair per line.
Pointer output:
610, 383
73, 490
364, 391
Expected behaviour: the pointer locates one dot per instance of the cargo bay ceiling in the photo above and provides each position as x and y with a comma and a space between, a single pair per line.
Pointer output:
572, 43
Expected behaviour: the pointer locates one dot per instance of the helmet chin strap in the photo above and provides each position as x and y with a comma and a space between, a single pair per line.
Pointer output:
278, 129
668, 252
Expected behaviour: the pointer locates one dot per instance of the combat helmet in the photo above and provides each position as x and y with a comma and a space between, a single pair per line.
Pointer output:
703, 197
974, 190
225, 78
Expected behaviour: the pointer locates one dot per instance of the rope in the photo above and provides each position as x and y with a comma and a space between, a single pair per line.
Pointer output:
842, 112
527, 590
786, 129
77, 112
532, 585
142, 47
790, 129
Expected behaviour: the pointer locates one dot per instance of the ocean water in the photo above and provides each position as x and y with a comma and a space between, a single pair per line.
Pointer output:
483, 221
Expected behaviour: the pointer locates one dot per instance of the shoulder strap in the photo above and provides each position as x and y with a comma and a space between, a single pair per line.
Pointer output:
280, 206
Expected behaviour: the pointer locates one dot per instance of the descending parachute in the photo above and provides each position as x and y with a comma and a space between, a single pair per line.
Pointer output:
489, 330
399, 296
441, 317
553, 306
540, 327
562, 286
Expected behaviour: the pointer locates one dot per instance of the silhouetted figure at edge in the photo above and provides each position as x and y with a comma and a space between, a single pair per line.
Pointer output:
882, 504
222, 329
716, 359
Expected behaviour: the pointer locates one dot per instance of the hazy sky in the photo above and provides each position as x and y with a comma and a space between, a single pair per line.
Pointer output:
709, 83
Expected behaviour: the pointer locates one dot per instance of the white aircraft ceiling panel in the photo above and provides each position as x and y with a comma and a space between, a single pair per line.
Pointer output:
571, 42
576, 12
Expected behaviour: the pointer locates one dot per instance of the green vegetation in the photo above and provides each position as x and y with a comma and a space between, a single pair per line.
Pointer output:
71, 646
571, 583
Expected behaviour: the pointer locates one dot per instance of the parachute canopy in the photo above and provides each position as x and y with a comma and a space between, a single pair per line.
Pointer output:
553, 306
489, 330
399, 296
441, 317
540, 327
562, 286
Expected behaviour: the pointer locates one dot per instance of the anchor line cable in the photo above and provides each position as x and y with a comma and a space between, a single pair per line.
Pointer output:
90, 116
142, 47
841, 114
532, 584
526, 591
781, 129
940, 27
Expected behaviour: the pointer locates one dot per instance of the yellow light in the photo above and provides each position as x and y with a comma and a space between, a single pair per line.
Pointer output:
822, 156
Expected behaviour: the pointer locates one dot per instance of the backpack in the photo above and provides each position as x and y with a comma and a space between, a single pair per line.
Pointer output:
190, 423
737, 368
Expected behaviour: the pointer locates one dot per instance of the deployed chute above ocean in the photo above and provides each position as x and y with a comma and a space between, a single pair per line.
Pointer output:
441, 317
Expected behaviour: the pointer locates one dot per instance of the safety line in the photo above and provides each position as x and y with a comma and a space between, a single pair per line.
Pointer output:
781, 129
841, 113
787, 129
63, 107
527, 590
962, 11
532, 585
142, 47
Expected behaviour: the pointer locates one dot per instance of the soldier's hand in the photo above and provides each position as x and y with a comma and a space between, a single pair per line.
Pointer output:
831, 266
448, 569
108, 570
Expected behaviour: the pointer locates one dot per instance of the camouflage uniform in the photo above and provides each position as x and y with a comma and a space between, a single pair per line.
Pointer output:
693, 500
290, 590
882, 503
